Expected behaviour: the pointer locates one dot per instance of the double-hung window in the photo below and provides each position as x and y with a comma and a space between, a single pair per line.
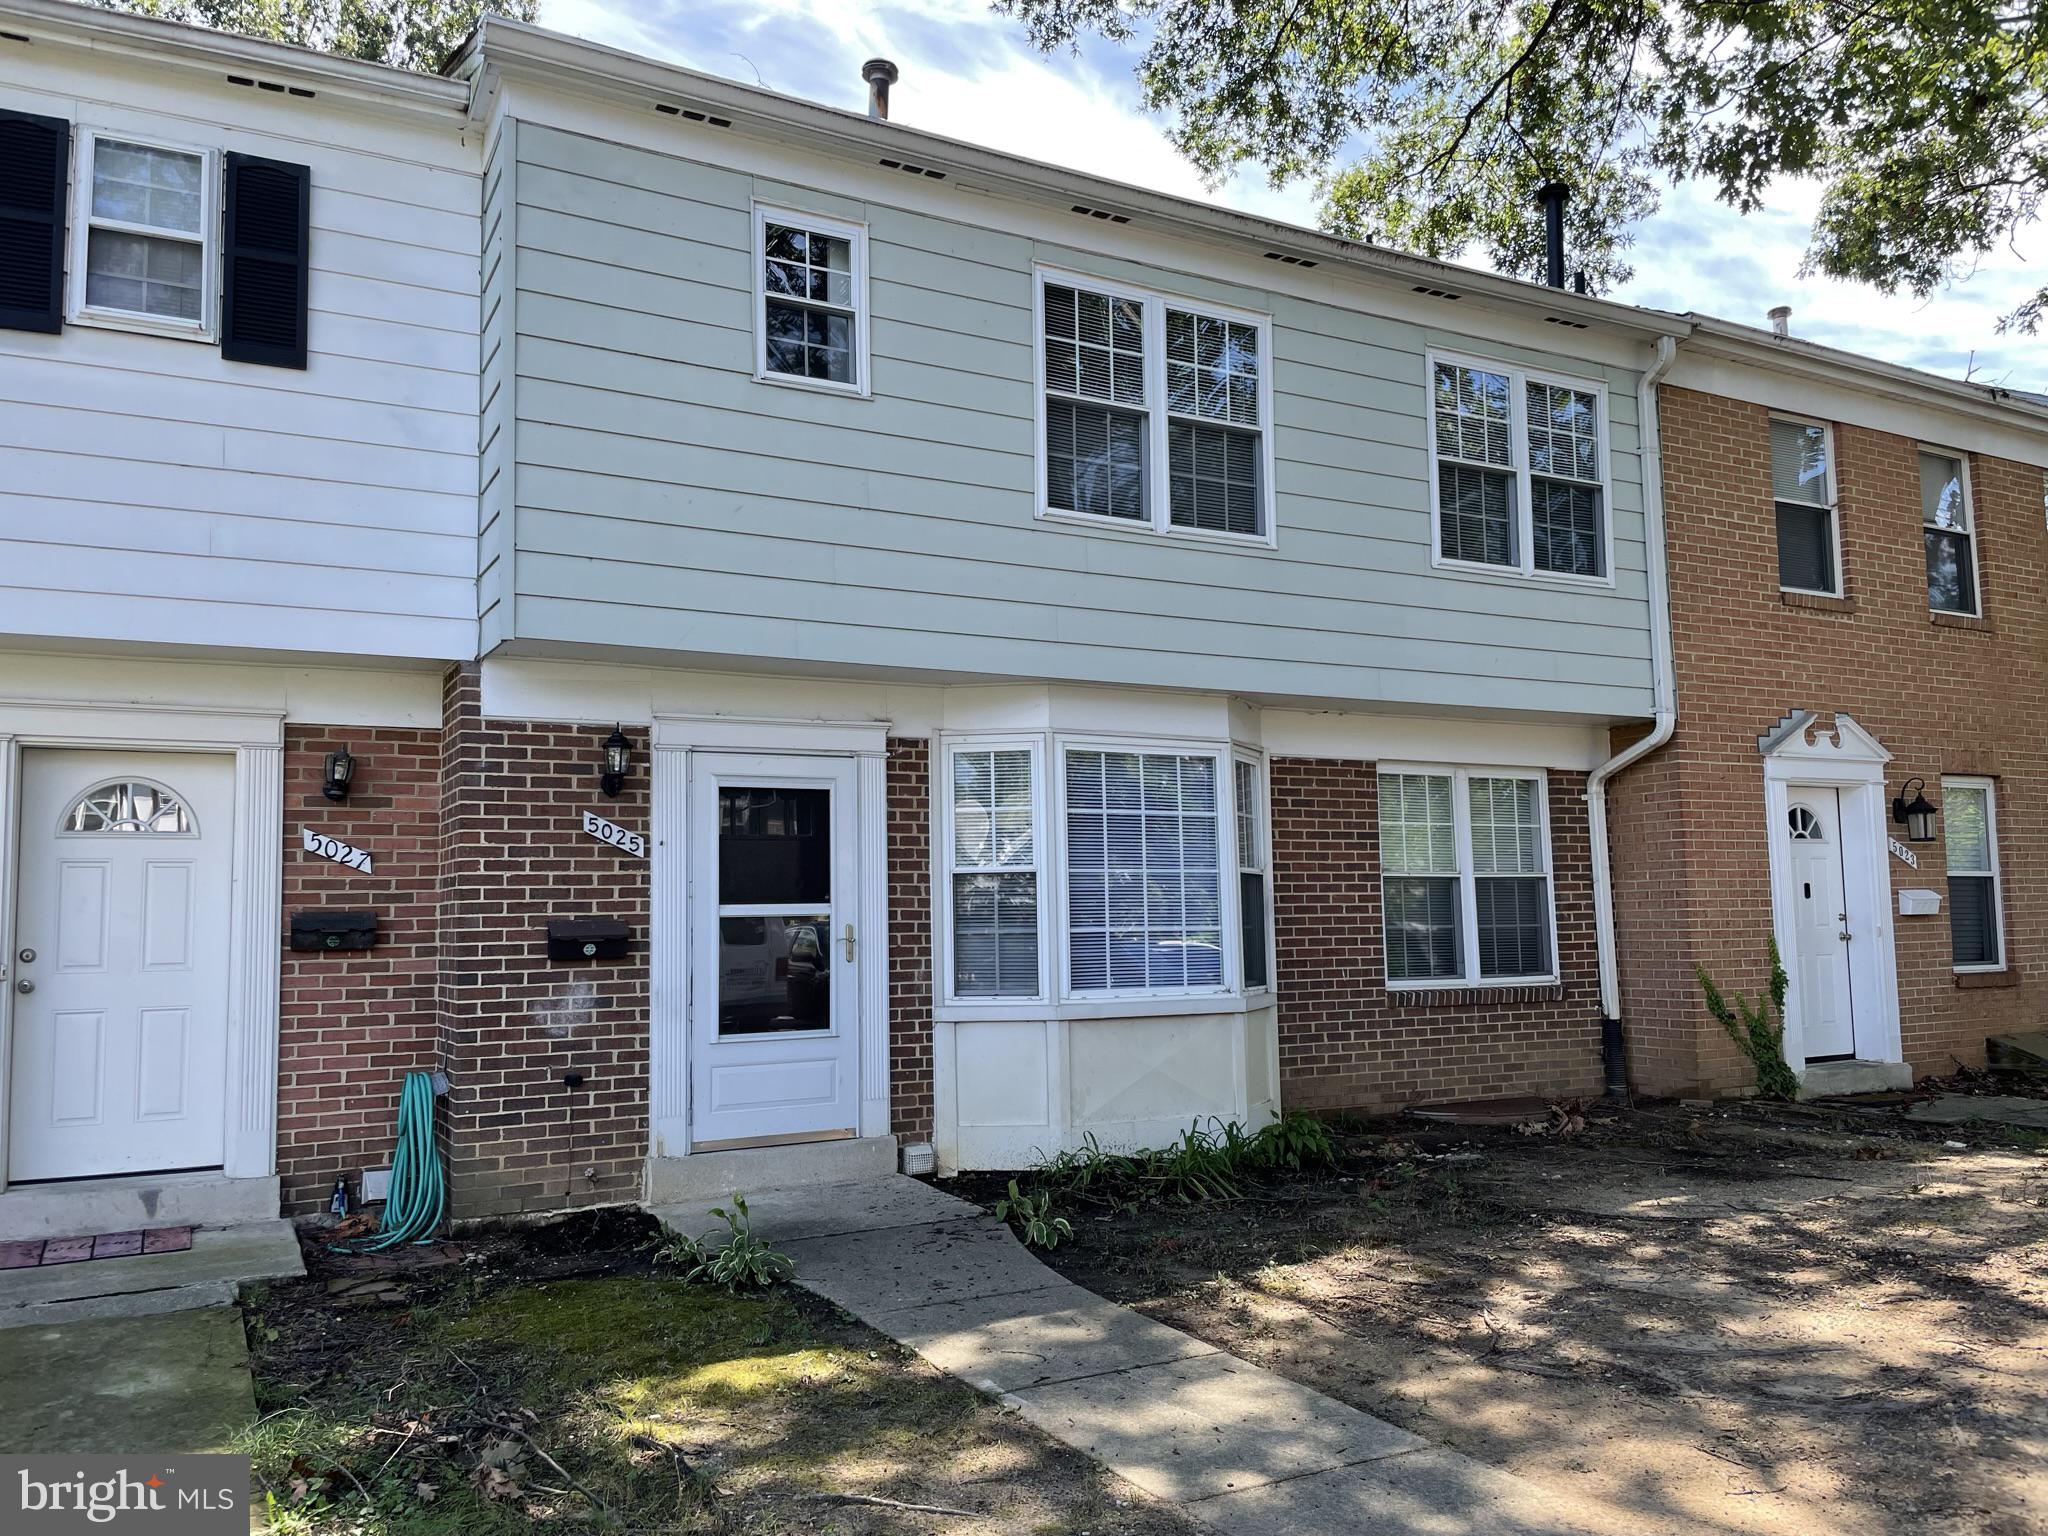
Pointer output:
994, 841
1950, 529
1974, 899
1156, 410
810, 281
1252, 871
145, 236
1519, 470
1465, 877
1803, 490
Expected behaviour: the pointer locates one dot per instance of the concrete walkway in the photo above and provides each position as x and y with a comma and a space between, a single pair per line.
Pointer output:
169, 1383
1242, 1450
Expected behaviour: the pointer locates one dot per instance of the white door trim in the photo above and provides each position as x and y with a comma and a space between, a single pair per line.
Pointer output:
1851, 761
675, 737
255, 905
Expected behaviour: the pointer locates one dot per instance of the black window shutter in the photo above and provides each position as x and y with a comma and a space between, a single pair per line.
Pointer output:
263, 266
35, 162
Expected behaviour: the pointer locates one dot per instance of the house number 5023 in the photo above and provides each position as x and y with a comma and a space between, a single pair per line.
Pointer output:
611, 832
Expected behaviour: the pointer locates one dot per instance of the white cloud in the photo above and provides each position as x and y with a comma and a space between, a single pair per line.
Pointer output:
971, 75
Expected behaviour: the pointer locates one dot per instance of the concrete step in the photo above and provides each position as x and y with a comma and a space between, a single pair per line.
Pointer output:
88, 1207
2019, 1053
208, 1274
712, 1178
1833, 1079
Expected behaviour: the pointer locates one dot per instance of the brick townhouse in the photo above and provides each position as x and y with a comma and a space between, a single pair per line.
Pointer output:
758, 643
1857, 559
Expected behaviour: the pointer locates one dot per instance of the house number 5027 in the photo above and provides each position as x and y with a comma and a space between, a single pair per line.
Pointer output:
611, 832
334, 848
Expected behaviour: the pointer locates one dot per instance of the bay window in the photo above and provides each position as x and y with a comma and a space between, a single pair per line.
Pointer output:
1252, 879
1465, 877
994, 882
1156, 410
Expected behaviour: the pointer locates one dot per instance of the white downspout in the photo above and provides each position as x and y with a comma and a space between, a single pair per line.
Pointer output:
1663, 702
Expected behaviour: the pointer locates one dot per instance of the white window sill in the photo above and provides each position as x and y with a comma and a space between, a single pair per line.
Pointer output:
1978, 970
1146, 528
814, 386
1522, 576
1102, 1008
144, 325
1460, 984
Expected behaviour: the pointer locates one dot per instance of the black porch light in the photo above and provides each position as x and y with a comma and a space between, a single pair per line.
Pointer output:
1917, 813
340, 769
618, 757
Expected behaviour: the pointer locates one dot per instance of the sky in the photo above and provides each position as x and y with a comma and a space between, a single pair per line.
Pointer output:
972, 74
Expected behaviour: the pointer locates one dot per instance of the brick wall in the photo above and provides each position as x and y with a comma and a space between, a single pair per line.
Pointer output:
1944, 695
353, 1023
1346, 1041
910, 940
512, 1022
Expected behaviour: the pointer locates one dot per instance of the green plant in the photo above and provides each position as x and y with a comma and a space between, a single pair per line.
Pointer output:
1298, 1142
738, 1261
1759, 1028
1034, 1218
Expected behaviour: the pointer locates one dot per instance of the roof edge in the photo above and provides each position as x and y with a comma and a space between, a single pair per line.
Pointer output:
200, 49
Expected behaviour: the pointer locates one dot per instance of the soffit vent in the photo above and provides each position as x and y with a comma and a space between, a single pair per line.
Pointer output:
1101, 213
1577, 325
1292, 261
912, 170
1437, 293
691, 114
271, 85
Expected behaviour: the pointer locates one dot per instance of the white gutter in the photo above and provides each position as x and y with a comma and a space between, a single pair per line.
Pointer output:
1663, 684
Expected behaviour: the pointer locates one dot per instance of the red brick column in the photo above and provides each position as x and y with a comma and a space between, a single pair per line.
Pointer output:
352, 1024
1346, 1040
910, 940
513, 1022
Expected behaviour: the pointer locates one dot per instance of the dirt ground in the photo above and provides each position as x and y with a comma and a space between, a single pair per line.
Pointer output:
1785, 1319
552, 1379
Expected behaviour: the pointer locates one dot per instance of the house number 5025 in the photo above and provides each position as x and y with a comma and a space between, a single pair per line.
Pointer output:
611, 832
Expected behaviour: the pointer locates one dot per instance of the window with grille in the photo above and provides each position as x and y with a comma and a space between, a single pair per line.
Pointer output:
1519, 470
1465, 877
1155, 410
1252, 927
1143, 872
1975, 905
994, 845
1803, 489
811, 295
1950, 531
147, 225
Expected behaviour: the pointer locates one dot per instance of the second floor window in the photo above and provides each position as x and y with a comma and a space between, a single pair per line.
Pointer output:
1520, 480
1950, 533
1803, 490
811, 292
148, 226
1155, 411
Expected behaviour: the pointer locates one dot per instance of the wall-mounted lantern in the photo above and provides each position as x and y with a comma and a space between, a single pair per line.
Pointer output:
618, 757
1917, 813
340, 769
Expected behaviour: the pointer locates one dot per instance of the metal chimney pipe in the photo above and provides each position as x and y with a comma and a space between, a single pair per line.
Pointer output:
880, 74
1552, 196
1781, 320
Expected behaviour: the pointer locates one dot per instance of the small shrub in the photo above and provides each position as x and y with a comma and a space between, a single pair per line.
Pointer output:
1034, 1218
1759, 1028
1297, 1142
738, 1261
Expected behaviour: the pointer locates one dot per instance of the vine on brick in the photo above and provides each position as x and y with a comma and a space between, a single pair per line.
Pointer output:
1759, 1028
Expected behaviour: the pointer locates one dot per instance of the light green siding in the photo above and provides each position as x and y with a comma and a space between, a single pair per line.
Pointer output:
667, 502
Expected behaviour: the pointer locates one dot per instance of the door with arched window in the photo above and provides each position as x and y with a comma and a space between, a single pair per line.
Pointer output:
119, 1053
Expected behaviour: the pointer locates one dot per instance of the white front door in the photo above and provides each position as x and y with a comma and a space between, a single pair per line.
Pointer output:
774, 1026
1821, 936
121, 976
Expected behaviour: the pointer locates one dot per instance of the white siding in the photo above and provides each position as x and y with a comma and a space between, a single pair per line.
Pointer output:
152, 492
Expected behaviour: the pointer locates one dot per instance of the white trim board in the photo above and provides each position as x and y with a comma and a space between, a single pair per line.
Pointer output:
255, 908
302, 695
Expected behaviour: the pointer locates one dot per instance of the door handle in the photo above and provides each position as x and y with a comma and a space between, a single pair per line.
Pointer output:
847, 940
24, 985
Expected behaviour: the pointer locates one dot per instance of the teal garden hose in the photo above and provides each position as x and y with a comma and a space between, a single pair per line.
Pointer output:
418, 1196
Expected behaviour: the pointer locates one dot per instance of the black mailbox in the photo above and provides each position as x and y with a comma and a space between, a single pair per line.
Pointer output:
588, 938
334, 930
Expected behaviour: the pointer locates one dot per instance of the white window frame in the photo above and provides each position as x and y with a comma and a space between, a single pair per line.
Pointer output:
945, 866
1962, 459
1262, 826
76, 310
1833, 507
1468, 880
1158, 489
856, 236
1997, 873
1519, 377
